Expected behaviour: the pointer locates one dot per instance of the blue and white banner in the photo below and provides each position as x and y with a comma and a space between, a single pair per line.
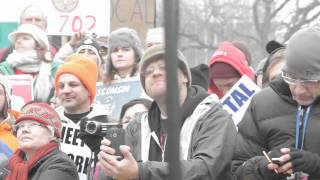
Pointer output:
116, 94
238, 98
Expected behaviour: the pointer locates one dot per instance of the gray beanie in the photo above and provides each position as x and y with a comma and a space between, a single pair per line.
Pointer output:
125, 37
156, 50
303, 54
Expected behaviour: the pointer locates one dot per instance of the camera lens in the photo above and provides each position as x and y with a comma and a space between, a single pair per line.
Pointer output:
91, 127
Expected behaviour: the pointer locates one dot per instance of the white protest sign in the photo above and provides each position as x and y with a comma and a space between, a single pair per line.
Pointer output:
75, 148
113, 96
22, 89
65, 16
238, 98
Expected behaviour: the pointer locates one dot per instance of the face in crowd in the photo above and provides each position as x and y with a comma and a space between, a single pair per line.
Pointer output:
72, 94
2, 97
90, 54
225, 84
24, 43
303, 91
34, 15
131, 112
123, 58
155, 79
32, 135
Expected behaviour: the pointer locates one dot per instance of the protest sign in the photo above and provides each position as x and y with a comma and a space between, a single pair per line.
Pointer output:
114, 95
238, 98
75, 148
22, 90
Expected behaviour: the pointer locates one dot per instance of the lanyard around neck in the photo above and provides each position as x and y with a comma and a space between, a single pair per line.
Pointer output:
299, 117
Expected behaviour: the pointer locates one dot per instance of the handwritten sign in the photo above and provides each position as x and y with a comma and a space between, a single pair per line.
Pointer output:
65, 16
75, 148
238, 98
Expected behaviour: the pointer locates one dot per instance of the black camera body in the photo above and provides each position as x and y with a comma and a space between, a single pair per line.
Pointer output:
102, 128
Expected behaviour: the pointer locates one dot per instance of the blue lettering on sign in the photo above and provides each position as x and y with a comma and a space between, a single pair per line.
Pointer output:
239, 97
230, 104
246, 90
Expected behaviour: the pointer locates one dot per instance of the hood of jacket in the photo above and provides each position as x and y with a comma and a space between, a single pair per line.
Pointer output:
232, 56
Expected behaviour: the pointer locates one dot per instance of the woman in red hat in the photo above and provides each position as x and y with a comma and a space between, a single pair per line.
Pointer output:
38, 131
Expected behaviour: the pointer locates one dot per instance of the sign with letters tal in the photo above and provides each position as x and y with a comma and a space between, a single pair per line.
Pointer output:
238, 98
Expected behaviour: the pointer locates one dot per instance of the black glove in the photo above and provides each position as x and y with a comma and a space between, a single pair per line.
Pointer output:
305, 161
265, 172
256, 169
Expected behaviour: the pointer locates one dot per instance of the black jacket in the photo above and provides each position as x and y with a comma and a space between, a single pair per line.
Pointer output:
269, 124
54, 166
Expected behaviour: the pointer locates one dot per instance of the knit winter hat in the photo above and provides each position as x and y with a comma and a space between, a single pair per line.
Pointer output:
303, 54
157, 50
82, 68
39, 35
125, 37
223, 70
42, 113
89, 43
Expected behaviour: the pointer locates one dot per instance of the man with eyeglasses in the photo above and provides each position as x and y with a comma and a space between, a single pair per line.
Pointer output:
207, 133
284, 120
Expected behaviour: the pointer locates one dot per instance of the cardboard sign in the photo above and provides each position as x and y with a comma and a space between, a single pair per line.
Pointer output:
136, 14
22, 90
75, 148
238, 98
65, 16
116, 94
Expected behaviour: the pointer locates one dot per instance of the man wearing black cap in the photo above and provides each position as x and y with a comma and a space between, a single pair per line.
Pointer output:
283, 119
206, 130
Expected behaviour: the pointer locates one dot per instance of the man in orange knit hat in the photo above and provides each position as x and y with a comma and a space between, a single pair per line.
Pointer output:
6, 119
75, 86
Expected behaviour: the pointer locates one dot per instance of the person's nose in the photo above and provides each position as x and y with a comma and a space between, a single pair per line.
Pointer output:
65, 89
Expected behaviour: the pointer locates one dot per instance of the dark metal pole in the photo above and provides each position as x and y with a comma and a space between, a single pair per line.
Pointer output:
171, 21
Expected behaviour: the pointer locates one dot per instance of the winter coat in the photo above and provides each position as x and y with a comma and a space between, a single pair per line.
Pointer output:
269, 124
56, 165
7, 137
207, 139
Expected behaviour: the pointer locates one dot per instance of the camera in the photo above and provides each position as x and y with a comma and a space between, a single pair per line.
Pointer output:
99, 126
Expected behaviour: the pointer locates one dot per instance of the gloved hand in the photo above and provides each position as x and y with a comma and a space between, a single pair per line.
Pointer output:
265, 172
305, 161
256, 168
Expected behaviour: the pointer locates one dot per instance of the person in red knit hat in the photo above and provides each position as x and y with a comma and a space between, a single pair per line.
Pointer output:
227, 65
38, 131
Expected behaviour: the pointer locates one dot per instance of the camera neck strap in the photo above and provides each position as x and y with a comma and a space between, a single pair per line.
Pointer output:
302, 119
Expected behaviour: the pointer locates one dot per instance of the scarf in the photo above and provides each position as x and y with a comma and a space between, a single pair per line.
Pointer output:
195, 95
19, 168
29, 63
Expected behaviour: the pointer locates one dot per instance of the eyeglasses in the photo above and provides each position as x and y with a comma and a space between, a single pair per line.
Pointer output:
30, 125
288, 78
150, 70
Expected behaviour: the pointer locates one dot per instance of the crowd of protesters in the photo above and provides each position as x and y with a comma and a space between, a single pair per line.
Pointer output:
275, 140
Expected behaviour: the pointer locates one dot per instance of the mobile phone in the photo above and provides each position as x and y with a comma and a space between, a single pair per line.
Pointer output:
116, 137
